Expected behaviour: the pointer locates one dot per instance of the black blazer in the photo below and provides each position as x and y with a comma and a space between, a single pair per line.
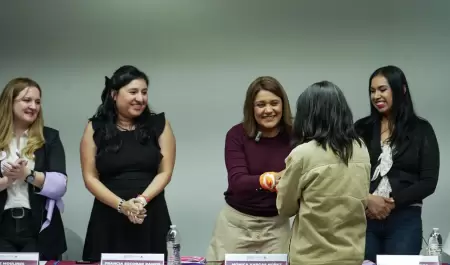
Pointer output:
415, 170
50, 157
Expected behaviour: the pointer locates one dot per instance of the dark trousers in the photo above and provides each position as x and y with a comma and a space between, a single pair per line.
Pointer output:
399, 234
16, 231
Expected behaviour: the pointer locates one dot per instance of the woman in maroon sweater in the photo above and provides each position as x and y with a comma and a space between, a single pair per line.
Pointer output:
249, 222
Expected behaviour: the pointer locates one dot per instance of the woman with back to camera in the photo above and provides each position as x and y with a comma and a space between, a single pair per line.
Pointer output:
33, 175
404, 155
127, 158
249, 222
326, 182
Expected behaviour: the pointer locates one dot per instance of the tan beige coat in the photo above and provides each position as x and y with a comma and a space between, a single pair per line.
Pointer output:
328, 200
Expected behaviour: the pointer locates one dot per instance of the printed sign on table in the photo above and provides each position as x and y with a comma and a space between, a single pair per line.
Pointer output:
256, 259
132, 259
24, 258
407, 259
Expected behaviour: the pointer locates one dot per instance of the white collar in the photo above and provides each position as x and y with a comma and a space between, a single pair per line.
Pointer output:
25, 133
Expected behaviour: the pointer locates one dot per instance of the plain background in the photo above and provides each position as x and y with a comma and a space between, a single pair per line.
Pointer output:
201, 55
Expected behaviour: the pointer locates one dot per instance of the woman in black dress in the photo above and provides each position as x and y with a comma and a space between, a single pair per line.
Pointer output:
127, 158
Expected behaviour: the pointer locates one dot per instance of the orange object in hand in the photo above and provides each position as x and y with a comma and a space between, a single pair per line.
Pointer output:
267, 181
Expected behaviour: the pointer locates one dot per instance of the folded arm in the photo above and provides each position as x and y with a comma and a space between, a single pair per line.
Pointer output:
5, 182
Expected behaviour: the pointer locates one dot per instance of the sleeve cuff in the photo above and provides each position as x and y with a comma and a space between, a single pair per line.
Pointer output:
55, 185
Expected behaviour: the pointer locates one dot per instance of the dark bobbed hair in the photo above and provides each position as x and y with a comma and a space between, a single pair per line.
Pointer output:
107, 112
402, 116
323, 115
272, 85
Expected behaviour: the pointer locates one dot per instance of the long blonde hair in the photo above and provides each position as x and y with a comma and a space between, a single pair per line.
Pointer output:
36, 130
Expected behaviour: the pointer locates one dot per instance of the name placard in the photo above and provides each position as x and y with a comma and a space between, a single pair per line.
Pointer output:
23, 258
407, 259
256, 259
131, 259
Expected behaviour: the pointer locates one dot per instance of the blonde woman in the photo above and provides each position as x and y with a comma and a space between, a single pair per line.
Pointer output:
33, 174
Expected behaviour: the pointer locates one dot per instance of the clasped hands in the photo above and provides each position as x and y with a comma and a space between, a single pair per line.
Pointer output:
15, 171
379, 207
134, 209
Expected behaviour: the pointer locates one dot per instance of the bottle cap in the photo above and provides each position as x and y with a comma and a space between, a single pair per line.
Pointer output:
173, 226
436, 229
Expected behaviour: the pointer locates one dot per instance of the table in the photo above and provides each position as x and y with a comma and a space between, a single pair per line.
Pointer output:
68, 262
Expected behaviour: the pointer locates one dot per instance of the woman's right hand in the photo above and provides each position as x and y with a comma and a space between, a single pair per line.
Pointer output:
379, 207
129, 208
134, 210
5, 182
7, 168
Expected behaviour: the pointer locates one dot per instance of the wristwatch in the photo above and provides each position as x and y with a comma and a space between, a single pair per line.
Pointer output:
30, 178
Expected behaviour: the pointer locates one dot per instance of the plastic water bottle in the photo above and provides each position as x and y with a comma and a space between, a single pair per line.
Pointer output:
435, 244
173, 241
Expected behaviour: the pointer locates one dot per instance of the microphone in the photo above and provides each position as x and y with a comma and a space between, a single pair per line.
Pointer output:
258, 136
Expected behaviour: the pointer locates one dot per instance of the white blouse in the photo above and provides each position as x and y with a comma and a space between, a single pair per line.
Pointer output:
385, 163
18, 196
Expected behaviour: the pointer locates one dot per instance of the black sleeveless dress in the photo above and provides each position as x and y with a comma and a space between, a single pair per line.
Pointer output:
128, 173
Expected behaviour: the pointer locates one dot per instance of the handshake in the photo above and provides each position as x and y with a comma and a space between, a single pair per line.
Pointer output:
269, 180
134, 209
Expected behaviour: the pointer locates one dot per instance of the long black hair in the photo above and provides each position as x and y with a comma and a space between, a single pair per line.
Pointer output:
106, 114
323, 115
402, 116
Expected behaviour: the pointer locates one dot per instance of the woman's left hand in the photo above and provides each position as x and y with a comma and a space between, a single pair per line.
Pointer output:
138, 218
17, 170
379, 207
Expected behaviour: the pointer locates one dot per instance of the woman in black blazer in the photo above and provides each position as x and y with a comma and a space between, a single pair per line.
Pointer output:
33, 175
404, 155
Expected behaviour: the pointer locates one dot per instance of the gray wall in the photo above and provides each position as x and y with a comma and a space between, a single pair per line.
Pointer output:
201, 55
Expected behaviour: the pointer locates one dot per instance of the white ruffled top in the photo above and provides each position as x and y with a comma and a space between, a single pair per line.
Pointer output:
384, 165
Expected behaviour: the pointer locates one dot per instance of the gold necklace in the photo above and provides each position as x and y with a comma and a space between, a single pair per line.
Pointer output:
125, 129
